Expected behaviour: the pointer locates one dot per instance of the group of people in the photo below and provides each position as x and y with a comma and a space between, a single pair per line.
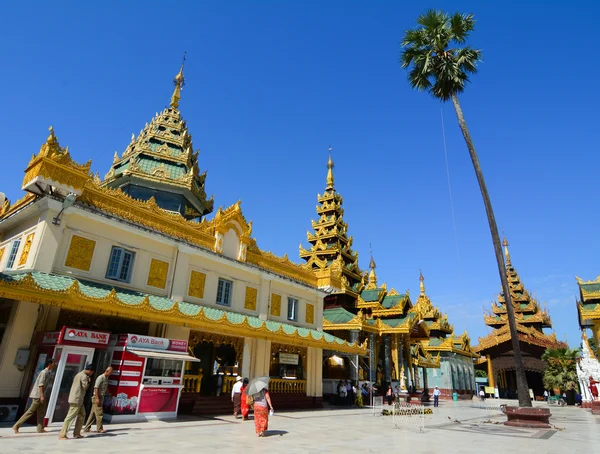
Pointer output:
260, 402
76, 400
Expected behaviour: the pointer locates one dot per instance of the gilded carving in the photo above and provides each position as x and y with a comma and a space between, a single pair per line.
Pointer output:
310, 313
196, 287
26, 249
275, 305
1, 254
250, 299
81, 251
157, 276
197, 337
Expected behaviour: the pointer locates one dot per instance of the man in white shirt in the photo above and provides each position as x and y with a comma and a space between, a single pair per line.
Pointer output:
236, 396
436, 396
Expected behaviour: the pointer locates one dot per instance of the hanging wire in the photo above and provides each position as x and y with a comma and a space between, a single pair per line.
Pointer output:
460, 275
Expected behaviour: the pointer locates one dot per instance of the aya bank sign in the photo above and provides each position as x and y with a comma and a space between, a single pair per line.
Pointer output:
85, 336
155, 343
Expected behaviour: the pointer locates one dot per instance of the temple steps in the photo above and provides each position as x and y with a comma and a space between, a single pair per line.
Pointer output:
193, 404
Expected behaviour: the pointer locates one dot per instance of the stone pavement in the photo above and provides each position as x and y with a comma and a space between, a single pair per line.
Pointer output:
455, 427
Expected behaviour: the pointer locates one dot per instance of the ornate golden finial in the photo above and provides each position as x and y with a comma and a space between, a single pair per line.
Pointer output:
51, 138
372, 276
422, 282
330, 170
505, 244
179, 82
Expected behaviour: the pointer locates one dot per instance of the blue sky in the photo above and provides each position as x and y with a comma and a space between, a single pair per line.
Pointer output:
271, 84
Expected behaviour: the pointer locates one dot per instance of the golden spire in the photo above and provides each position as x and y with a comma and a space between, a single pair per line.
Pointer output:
179, 82
372, 275
422, 283
330, 171
505, 244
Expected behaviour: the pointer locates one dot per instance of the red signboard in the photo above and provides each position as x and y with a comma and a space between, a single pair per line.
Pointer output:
124, 383
82, 336
158, 400
50, 338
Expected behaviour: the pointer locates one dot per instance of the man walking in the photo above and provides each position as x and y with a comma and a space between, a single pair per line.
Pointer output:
76, 397
236, 396
436, 396
97, 400
38, 399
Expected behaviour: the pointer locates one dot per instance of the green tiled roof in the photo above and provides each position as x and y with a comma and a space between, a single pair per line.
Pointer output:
435, 342
337, 315
93, 290
392, 301
149, 164
397, 321
370, 295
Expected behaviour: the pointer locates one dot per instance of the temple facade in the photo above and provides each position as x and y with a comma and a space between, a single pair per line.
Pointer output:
84, 260
359, 308
588, 368
496, 348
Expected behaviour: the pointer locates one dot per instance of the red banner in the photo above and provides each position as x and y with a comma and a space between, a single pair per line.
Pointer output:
158, 400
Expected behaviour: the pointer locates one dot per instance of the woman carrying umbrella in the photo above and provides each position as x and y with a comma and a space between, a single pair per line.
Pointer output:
257, 388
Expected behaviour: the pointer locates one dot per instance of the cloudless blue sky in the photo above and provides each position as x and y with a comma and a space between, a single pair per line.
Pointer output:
269, 85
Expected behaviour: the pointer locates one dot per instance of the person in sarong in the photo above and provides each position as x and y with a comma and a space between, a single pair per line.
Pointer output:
244, 404
236, 396
262, 404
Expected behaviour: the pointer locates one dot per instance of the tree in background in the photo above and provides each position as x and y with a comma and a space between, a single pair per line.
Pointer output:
439, 61
561, 372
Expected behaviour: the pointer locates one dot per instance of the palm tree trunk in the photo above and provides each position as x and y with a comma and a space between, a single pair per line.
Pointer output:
522, 387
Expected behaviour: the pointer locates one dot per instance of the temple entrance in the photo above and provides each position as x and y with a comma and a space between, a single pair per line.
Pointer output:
220, 362
507, 383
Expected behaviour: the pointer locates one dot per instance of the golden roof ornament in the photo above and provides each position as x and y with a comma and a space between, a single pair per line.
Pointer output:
421, 283
330, 171
505, 244
372, 276
179, 82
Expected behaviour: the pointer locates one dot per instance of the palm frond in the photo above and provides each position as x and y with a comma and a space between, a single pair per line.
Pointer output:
431, 63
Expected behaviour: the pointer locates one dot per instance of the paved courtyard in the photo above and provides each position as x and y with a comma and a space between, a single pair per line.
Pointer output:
462, 427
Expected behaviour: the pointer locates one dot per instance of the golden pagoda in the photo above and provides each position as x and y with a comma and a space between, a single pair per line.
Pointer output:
454, 352
161, 163
496, 347
360, 308
330, 255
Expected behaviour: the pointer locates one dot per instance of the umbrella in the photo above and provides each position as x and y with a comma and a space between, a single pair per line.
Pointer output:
257, 385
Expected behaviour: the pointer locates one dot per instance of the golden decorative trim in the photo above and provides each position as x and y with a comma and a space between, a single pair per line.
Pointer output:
2, 253
81, 251
196, 286
157, 275
275, 305
72, 298
26, 249
250, 298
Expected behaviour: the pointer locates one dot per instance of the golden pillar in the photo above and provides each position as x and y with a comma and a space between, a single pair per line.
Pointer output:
597, 336
490, 372
394, 349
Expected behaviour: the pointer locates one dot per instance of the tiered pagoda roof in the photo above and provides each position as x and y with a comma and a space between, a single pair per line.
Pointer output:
530, 318
162, 158
380, 311
441, 333
330, 255
588, 306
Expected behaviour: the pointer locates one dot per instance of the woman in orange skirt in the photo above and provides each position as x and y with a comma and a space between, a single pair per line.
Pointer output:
244, 402
262, 404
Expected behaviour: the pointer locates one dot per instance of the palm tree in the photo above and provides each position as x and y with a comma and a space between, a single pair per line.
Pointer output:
439, 62
561, 372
